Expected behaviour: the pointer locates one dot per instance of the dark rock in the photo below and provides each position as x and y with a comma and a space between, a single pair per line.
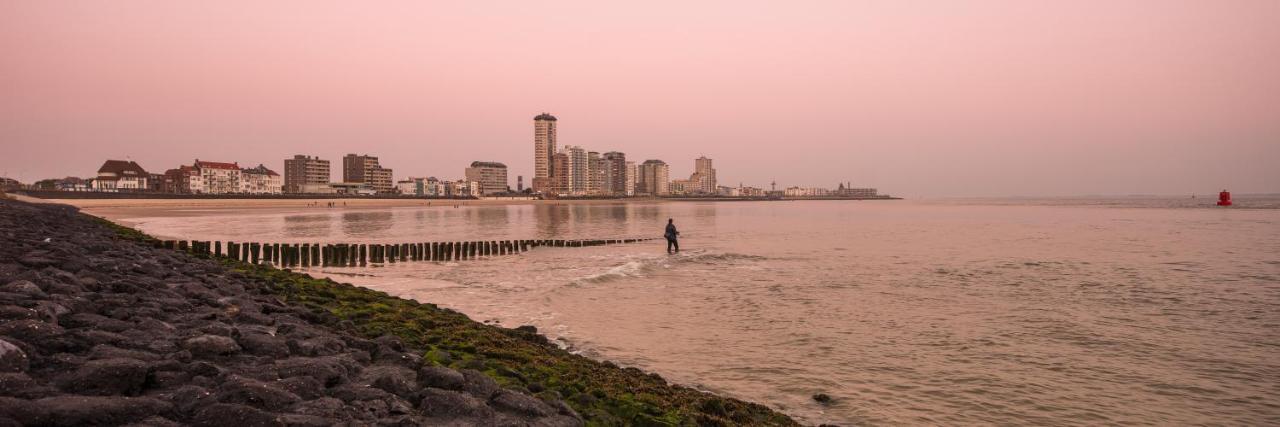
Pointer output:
391, 341
392, 379
320, 346
479, 384
31, 331
447, 403
13, 312
217, 328
203, 369
167, 379
822, 398
18, 384
74, 410
510, 401
156, 421
211, 346
92, 337
355, 393
49, 311
104, 351
298, 420
326, 407
263, 345
38, 259
228, 414
106, 377
24, 287
372, 408
441, 377
305, 387
255, 393
92, 320
12, 358
328, 371
189, 398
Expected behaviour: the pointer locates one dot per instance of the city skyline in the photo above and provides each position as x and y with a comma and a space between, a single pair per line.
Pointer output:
966, 99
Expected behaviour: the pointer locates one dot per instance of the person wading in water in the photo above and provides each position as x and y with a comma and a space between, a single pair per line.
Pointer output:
671, 235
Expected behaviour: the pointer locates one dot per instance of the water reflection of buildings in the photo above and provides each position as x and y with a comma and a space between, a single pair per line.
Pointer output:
307, 226
367, 224
571, 221
492, 221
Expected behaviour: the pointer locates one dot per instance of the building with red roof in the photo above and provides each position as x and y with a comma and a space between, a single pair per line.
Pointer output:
121, 175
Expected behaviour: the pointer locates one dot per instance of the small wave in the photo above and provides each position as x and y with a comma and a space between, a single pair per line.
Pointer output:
629, 269
713, 257
642, 266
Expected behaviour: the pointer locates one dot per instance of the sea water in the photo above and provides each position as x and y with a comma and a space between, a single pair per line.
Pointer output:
1010, 311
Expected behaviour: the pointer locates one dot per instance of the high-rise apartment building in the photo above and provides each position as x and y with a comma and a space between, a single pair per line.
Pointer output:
596, 171
575, 171
653, 178
306, 174
703, 180
616, 175
560, 182
492, 177
544, 148
629, 181
365, 169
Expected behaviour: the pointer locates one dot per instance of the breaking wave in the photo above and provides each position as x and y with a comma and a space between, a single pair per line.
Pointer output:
641, 267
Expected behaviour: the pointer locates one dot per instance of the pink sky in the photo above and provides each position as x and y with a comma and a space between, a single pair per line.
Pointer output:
917, 98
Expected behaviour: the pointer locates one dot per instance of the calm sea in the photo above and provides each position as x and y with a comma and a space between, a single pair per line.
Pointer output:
1011, 311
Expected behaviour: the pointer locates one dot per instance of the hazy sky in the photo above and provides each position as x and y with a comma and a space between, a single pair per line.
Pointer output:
917, 98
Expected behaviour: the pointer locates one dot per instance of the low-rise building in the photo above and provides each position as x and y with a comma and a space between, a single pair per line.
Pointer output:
366, 169
352, 188
682, 187
260, 180
412, 186
182, 180
492, 177
306, 174
218, 177
806, 192
121, 175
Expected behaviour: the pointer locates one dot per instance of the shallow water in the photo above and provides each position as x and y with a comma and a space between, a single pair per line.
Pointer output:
1061, 312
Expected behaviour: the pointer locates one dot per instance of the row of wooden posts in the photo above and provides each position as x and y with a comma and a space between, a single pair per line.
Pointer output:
353, 255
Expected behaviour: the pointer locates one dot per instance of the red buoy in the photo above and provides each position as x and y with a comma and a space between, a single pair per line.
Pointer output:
1224, 198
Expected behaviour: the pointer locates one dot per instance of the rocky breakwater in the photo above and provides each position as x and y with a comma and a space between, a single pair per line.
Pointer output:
96, 329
